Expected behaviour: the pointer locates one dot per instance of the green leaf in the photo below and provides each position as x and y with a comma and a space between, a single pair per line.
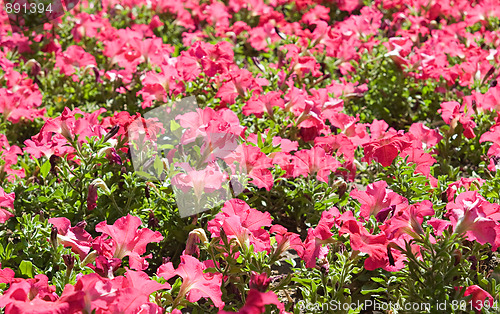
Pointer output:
158, 165
26, 268
370, 291
380, 280
44, 169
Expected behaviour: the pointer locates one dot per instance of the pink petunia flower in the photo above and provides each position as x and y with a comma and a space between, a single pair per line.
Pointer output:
195, 282
129, 240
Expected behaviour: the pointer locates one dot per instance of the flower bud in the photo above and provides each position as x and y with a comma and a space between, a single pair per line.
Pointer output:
153, 222
69, 261
54, 159
92, 197
113, 156
89, 259
457, 255
259, 282
196, 236
111, 133
53, 237
34, 66
100, 183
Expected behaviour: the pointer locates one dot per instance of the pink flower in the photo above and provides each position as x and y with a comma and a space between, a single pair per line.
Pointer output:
129, 294
286, 241
385, 150
466, 183
493, 135
36, 296
259, 282
238, 82
317, 237
134, 292
9, 156
17, 107
242, 223
421, 133
423, 160
256, 302
452, 113
129, 240
254, 163
195, 283
376, 198
208, 124
314, 160
57, 134
408, 220
261, 35
376, 246
477, 218
73, 56
6, 275
75, 237
479, 297
207, 180
339, 143
264, 104
159, 86
6, 203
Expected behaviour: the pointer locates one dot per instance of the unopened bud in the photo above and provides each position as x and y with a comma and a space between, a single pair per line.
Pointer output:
53, 237
34, 66
92, 197
258, 64
457, 256
259, 282
53, 162
153, 222
280, 34
89, 259
111, 133
69, 261
196, 236
100, 183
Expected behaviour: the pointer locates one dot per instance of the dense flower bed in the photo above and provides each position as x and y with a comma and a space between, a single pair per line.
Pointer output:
365, 135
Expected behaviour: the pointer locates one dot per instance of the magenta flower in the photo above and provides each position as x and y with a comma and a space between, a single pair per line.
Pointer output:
479, 297
73, 56
6, 204
129, 240
75, 237
195, 283
377, 197
37, 297
477, 218
207, 180
242, 223
256, 302
92, 197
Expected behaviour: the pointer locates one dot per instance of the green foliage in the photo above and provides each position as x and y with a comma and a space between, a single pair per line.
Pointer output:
329, 287
393, 95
